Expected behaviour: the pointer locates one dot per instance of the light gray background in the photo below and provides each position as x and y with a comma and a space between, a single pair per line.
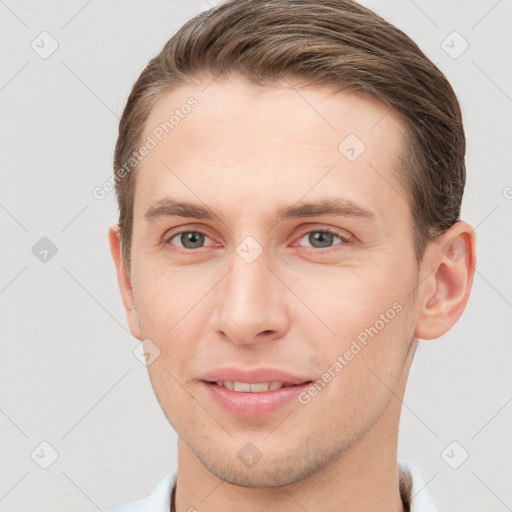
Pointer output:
68, 374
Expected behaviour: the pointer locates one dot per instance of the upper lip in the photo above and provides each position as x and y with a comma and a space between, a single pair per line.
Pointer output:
257, 375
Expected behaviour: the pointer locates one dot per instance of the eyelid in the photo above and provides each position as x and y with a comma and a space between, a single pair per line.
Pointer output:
342, 233
176, 230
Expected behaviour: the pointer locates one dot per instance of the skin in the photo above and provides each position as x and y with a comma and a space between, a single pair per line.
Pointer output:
245, 152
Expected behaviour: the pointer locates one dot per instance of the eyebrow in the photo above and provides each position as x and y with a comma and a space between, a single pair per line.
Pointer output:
339, 207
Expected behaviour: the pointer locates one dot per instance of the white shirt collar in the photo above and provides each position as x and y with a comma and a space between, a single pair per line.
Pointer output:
416, 492
160, 499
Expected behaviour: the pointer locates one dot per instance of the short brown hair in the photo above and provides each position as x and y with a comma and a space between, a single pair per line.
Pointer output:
325, 42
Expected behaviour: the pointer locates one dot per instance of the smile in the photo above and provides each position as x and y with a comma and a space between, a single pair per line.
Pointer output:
246, 387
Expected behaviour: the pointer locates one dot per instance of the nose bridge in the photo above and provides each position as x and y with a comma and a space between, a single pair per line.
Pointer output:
251, 300
249, 278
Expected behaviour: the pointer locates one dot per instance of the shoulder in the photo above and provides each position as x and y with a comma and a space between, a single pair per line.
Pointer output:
158, 501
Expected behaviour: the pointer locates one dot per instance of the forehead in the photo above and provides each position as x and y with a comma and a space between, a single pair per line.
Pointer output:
321, 115
276, 141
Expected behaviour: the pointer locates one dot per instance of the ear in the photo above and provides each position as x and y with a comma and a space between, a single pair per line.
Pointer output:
123, 279
446, 289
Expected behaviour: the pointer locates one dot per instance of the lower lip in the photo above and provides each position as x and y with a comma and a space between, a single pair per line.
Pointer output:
252, 404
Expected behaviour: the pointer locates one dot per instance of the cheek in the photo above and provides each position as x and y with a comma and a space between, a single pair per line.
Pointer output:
348, 300
367, 327
360, 372
173, 310
169, 299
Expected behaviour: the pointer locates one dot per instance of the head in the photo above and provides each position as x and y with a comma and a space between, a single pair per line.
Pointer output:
297, 200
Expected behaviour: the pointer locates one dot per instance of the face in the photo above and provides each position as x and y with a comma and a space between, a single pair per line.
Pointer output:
270, 281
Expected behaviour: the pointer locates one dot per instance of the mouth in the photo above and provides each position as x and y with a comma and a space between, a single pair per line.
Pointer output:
251, 399
254, 387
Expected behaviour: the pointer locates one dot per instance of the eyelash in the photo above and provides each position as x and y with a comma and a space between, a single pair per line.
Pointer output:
344, 240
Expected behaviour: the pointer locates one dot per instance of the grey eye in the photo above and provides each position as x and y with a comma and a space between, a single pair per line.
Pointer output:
190, 239
321, 239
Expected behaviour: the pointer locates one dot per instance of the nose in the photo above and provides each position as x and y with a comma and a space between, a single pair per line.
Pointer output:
251, 302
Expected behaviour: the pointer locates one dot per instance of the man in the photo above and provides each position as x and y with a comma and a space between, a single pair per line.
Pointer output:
289, 176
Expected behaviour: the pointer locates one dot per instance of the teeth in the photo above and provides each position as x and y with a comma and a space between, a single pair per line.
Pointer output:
258, 388
246, 387
241, 386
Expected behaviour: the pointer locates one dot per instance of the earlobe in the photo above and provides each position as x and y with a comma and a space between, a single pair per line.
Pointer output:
446, 293
124, 282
